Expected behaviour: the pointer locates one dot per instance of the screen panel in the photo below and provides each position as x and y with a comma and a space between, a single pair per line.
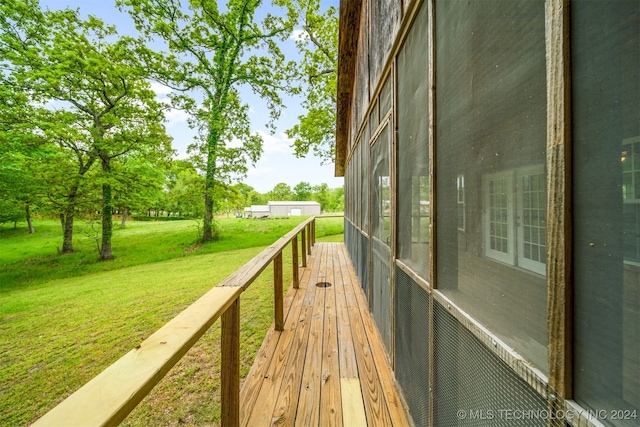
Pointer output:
605, 40
491, 176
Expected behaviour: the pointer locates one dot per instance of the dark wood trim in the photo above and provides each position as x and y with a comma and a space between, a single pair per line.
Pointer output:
349, 28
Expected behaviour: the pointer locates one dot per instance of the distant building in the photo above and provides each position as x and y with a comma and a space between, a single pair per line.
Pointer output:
284, 209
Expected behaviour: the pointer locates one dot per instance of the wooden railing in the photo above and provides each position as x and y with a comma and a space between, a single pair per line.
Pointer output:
109, 397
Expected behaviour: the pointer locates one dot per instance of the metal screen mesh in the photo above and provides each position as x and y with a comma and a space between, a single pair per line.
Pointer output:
472, 387
412, 345
350, 241
363, 261
381, 291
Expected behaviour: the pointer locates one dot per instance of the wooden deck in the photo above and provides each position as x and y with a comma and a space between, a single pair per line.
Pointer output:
328, 367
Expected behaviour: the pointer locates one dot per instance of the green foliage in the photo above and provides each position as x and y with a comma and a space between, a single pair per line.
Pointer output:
216, 51
100, 106
317, 74
302, 191
281, 192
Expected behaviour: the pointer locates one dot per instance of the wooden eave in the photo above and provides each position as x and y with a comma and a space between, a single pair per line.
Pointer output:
349, 28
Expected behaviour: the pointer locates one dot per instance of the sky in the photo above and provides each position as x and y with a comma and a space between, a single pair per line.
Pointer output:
278, 162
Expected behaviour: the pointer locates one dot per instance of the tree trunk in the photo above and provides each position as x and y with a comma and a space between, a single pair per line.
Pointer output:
212, 146
67, 221
62, 221
125, 212
67, 241
27, 212
107, 211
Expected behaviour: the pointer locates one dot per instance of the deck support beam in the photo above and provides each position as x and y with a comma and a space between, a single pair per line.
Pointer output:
304, 246
294, 258
277, 290
230, 370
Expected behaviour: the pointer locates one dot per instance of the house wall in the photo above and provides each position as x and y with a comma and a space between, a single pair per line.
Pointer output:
492, 188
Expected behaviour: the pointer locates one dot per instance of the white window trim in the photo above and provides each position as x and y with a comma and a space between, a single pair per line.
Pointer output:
515, 212
508, 257
529, 264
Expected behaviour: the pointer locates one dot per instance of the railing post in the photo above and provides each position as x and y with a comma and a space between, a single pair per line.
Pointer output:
294, 257
309, 238
313, 232
304, 247
277, 289
230, 371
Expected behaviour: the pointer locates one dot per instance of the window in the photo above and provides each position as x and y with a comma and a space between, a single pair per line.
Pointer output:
460, 184
630, 159
515, 218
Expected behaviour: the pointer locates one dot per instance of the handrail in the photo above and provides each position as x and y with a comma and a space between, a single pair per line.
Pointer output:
109, 397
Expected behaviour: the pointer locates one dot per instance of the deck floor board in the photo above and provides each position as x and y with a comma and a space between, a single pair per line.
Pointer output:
328, 352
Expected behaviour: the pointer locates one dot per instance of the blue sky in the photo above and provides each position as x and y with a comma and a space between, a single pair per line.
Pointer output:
278, 163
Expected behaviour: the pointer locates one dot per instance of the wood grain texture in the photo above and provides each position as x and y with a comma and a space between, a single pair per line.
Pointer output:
304, 382
559, 304
295, 258
348, 364
303, 234
230, 370
391, 399
110, 396
330, 397
297, 319
348, 30
277, 293
353, 407
309, 398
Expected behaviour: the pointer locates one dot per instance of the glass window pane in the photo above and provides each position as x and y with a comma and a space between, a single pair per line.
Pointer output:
491, 130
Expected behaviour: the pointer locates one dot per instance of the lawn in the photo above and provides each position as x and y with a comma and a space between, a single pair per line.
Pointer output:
63, 319
27, 260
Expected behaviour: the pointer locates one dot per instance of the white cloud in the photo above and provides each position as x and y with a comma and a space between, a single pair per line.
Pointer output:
298, 35
234, 143
275, 143
160, 89
261, 171
175, 116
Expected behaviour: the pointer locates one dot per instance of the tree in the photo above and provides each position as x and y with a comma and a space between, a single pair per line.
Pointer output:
302, 191
281, 192
102, 106
317, 72
185, 195
216, 51
20, 154
322, 195
138, 182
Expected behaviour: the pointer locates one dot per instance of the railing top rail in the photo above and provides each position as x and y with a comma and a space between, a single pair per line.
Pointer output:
109, 397
251, 270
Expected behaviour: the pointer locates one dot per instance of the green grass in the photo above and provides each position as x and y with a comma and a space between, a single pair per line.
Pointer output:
57, 334
29, 260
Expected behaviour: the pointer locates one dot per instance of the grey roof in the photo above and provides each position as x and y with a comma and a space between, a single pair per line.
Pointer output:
294, 202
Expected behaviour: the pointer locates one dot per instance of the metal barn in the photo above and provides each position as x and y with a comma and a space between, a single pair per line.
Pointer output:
294, 208
489, 151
